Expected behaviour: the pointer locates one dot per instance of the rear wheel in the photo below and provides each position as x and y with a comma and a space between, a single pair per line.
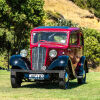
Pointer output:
83, 79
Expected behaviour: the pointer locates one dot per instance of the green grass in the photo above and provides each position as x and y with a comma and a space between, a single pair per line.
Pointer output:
32, 91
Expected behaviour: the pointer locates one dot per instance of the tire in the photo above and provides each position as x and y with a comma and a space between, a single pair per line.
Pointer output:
83, 79
15, 81
65, 82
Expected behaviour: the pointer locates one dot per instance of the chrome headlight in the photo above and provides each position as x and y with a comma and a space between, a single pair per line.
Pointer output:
23, 53
53, 53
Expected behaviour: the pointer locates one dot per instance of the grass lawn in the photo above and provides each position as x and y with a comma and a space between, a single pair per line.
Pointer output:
32, 91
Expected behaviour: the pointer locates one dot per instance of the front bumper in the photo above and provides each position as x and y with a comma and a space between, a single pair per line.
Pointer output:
46, 72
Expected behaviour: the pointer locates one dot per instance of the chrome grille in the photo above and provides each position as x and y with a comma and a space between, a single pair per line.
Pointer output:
38, 57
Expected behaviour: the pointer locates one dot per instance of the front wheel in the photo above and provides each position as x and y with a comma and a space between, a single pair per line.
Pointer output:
15, 81
65, 82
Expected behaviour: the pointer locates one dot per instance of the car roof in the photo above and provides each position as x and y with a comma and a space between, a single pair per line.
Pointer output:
55, 28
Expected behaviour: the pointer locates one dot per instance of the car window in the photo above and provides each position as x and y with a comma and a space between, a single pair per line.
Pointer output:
73, 38
59, 37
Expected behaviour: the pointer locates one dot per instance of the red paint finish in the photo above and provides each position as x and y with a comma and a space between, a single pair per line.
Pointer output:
62, 49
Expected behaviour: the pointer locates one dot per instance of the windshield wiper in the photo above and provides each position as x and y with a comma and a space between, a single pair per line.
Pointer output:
51, 35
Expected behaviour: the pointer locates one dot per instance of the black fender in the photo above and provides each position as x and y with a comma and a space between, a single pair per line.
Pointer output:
17, 61
61, 61
80, 67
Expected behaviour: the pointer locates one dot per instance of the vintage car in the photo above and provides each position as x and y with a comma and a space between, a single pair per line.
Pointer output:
56, 54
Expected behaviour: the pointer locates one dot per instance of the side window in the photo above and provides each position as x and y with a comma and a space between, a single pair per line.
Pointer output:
73, 38
81, 40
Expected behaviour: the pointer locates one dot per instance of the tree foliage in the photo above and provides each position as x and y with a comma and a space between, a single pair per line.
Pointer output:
92, 46
63, 22
18, 17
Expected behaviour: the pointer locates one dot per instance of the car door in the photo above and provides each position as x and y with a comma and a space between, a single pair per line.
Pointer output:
74, 49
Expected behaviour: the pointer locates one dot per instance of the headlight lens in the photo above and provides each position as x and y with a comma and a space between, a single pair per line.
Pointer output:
53, 53
23, 53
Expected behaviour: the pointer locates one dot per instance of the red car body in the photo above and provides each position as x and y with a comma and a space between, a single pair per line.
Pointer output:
58, 46
57, 53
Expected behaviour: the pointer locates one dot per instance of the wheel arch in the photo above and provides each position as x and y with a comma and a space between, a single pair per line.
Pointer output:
61, 62
82, 65
17, 62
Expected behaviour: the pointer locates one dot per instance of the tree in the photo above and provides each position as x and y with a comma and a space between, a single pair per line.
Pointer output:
18, 17
92, 46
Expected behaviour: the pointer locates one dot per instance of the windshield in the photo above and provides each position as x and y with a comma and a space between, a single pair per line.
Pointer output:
59, 37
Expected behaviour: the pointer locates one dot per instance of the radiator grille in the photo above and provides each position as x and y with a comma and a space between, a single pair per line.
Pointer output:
38, 57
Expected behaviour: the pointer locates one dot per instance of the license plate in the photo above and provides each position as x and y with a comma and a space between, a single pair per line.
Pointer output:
36, 76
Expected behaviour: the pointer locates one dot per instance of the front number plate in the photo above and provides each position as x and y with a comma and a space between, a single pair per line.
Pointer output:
36, 76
